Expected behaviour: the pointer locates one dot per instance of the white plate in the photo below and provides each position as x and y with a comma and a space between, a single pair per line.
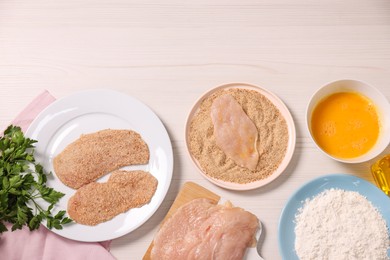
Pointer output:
66, 119
290, 146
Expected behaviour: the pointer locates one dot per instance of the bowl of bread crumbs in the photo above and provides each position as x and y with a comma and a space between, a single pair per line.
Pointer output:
240, 136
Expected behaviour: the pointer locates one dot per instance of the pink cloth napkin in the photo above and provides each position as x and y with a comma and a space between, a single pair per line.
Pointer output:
43, 244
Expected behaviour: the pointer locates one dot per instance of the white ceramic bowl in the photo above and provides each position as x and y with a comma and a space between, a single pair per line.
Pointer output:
380, 101
290, 146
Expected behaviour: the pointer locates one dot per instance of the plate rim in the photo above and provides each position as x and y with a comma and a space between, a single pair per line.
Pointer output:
321, 179
169, 152
290, 146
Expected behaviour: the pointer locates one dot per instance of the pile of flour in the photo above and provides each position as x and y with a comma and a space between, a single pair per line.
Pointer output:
338, 224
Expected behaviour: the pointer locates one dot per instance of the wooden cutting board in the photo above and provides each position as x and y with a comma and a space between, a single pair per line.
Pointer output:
188, 192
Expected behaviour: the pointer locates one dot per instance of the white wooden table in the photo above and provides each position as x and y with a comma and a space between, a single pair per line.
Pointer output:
167, 53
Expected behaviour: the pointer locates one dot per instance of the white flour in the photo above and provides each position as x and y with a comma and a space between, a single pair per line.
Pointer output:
338, 224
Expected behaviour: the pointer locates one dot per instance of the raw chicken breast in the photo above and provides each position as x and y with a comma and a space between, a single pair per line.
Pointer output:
234, 132
202, 230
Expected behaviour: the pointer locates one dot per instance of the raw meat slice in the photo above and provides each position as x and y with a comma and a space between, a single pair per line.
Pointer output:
202, 230
96, 202
96, 154
234, 131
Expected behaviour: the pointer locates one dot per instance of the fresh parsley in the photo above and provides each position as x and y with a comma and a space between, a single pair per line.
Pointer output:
23, 182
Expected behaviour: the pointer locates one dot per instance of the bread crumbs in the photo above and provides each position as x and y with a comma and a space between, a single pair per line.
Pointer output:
271, 145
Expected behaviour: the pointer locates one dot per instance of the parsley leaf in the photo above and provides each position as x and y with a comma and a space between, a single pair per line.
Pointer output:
22, 183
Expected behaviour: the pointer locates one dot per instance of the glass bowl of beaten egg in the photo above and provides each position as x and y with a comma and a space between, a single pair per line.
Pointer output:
349, 121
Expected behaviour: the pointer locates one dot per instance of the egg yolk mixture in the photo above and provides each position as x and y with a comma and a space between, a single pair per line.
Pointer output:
345, 124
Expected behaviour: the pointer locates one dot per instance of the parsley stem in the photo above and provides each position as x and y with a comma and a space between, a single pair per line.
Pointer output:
22, 183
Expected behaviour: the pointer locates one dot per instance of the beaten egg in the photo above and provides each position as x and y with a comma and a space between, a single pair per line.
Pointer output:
345, 124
